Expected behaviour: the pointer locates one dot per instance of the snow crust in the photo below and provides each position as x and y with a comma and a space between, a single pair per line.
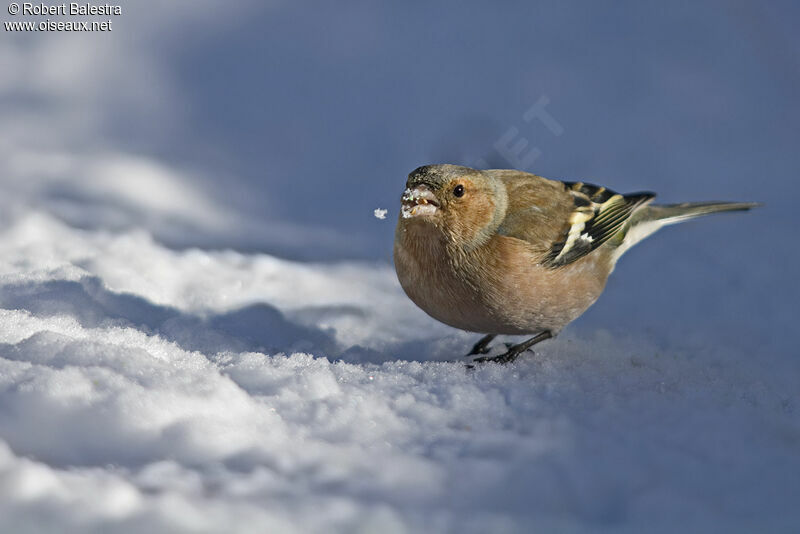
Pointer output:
147, 389
153, 381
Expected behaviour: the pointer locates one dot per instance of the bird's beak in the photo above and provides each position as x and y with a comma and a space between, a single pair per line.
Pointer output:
419, 202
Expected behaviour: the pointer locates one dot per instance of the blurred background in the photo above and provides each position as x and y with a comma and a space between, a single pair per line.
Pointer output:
278, 127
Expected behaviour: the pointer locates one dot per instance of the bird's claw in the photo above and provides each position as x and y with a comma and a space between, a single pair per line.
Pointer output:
506, 357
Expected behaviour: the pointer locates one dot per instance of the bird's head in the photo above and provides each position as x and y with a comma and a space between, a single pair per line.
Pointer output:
467, 205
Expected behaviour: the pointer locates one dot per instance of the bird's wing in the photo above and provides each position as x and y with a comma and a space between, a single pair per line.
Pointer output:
598, 215
565, 220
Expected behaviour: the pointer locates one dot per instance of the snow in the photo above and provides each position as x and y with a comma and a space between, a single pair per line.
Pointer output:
201, 329
380, 213
182, 391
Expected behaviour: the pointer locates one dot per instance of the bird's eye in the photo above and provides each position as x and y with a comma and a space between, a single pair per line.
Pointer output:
458, 190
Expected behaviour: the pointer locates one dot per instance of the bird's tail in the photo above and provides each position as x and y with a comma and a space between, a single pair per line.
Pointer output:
646, 220
674, 213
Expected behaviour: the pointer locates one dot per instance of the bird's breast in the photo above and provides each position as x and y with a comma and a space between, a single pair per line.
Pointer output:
498, 288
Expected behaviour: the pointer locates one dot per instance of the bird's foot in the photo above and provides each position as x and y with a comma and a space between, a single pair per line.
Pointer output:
513, 351
482, 346
509, 356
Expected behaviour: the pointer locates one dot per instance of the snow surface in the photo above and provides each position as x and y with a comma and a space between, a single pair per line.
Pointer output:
147, 389
165, 368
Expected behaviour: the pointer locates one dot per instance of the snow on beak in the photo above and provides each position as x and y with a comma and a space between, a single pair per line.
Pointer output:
419, 202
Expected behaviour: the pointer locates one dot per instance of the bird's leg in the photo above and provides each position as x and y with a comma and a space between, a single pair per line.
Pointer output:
516, 350
482, 346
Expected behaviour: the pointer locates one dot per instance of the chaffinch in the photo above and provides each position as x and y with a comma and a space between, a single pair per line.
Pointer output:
508, 252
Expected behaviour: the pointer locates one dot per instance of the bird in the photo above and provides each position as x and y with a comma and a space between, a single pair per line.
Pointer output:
506, 252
